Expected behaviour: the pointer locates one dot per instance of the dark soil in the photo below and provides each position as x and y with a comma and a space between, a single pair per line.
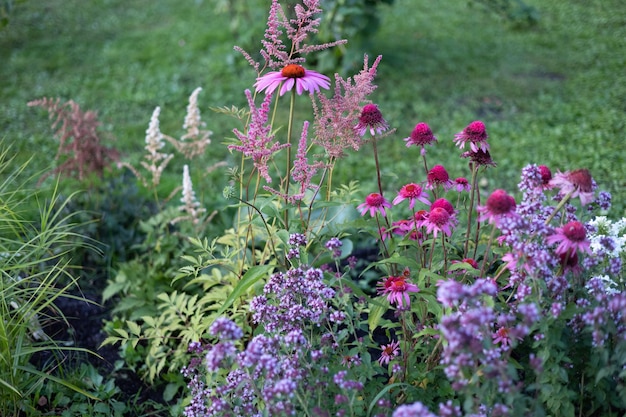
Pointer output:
84, 328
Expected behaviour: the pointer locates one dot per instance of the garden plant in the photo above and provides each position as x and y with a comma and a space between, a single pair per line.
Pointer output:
427, 286
476, 302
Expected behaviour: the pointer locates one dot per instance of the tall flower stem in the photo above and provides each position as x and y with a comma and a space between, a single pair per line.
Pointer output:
288, 168
380, 183
559, 206
473, 192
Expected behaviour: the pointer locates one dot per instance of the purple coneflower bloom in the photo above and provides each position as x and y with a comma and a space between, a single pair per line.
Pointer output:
389, 352
397, 290
571, 237
438, 220
578, 182
462, 184
292, 75
438, 176
474, 134
411, 192
371, 118
374, 203
420, 136
499, 204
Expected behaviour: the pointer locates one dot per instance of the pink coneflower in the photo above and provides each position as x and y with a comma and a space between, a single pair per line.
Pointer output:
292, 75
499, 204
389, 352
474, 134
406, 227
444, 204
502, 335
462, 184
397, 289
374, 203
438, 176
546, 176
438, 220
420, 136
571, 237
371, 118
411, 192
480, 158
578, 182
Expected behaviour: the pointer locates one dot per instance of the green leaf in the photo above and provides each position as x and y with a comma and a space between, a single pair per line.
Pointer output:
376, 313
133, 327
251, 276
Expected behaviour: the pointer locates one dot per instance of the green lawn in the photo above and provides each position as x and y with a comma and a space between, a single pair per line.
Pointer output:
553, 94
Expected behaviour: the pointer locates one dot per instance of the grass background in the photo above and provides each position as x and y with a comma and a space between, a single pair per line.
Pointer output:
552, 94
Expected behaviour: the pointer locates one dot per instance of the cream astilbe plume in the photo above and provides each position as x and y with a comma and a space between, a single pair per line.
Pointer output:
193, 124
156, 161
190, 206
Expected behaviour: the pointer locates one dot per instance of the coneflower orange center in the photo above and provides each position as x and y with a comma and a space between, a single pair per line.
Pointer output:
293, 71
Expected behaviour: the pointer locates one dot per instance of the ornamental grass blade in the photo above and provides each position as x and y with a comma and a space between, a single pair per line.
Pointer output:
251, 276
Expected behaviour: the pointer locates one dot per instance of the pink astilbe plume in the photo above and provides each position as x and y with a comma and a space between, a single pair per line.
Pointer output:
336, 117
303, 172
275, 52
258, 141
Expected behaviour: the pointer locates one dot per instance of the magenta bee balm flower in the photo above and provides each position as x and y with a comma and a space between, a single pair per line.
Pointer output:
292, 75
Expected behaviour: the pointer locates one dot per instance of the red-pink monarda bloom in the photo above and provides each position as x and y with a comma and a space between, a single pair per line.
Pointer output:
292, 75
371, 119
498, 205
438, 176
570, 238
411, 192
475, 135
420, 136
374, 203
397, 289
578, 183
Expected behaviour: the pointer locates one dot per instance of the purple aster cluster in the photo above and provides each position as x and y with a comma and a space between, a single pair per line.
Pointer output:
291, 300
479, 338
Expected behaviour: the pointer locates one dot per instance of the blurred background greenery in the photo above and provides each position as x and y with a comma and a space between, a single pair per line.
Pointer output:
547, 78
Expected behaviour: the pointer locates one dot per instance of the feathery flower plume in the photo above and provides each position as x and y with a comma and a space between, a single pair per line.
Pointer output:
336, 117
157, 161
275, 53
190, 206
302, 172
258, 141
193, 123
192, 118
